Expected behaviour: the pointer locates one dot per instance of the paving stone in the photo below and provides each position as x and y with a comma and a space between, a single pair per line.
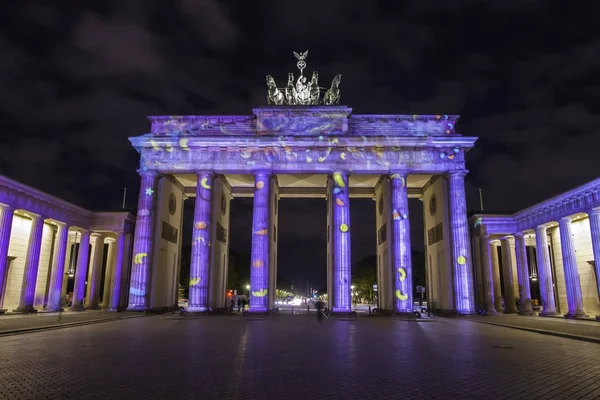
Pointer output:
295, 358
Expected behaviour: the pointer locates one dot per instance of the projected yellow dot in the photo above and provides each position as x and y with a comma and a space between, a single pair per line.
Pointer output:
461, 260
344, 228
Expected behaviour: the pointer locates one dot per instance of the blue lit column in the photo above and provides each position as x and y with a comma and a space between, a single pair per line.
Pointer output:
142, 243
487, 267
32, 262
464, 300
545, 272
572, 283
81, 271
523, 273
93, 303
594, 217
199, 267
259, 269
400, 241
509, 279
6, 218
117, 274
342, 296
58, 269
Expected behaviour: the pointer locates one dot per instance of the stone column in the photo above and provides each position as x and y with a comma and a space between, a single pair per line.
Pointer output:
259, 270
139, 290
201, 235
400, 244
523, 273
57, 275
342, 296
572, 283
509, 280
117, 274
594, 217
93, 302
81, 271
6, 218
545, 272
32, 262
108, 279
487, 268
464, 300
496, 278
126, 273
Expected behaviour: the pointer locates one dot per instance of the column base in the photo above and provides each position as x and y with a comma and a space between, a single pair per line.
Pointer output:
597, 317
576, 314
548, 313
491, 312
114, 309
25, 310
526, 312
3, 311
94, 307
197, 309
139, 308
77, 307
52, 310
510, 311
258, 310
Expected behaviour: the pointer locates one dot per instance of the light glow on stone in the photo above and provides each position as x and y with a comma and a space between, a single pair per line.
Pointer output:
200, 260
400, 244
341, 296
259, 273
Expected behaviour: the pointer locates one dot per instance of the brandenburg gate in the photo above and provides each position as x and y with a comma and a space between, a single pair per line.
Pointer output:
303, 144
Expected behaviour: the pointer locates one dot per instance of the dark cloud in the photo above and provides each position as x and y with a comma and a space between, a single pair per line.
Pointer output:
78, 81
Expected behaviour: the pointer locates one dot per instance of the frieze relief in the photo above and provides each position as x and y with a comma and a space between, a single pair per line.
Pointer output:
23, 201
305, 121
317, 158
579, 203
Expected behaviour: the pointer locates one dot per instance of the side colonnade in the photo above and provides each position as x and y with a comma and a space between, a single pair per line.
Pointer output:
45, 241
549, 258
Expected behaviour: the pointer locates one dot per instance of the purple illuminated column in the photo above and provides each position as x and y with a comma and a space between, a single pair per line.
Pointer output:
594, 217
6, 218
32, 262
509, 279
401, 257
81, 271
572, 283
199, 268
545, 272
342, 296
58, 268
93, 302
117, 274
464, 301
487, 267
259, 269
139, 286
523, 273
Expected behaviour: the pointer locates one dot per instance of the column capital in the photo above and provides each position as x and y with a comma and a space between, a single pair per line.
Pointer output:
268, 173
201, 172
594, 212
84, 231
6, 207
518, 235
458, 173
505, 239
148, 172
566, 220
541, 229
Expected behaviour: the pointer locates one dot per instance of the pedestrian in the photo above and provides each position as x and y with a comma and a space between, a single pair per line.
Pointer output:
319, 305
239, 304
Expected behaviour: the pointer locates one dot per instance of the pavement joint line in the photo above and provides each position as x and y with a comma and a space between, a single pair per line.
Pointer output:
21, 331
541, 331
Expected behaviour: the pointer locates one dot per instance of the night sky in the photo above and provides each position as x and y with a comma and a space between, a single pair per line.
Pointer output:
77, 82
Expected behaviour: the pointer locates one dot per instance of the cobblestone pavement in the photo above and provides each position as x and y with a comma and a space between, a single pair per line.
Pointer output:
42, 320
170, 357
560, 325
